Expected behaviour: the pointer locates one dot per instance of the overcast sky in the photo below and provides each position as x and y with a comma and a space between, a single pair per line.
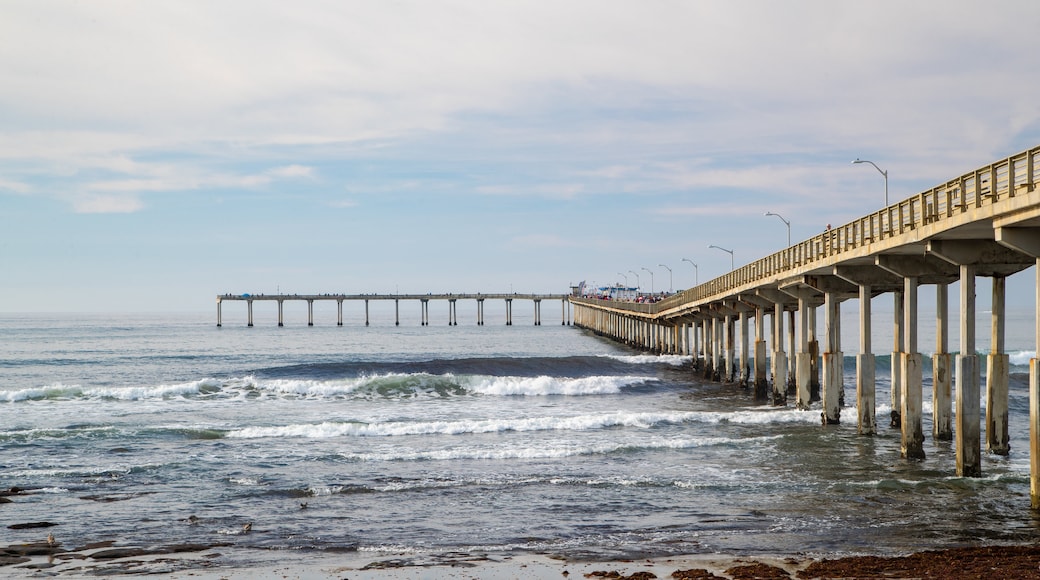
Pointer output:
155, 154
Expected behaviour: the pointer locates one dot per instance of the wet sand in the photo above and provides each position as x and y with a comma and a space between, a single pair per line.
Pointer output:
210, 562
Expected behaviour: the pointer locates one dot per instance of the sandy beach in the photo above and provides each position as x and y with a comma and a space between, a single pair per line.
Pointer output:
210, 563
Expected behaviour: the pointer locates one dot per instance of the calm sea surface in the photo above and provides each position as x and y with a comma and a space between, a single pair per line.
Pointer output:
493, 439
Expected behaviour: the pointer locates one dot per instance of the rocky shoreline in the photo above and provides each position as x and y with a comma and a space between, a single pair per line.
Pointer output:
205, 561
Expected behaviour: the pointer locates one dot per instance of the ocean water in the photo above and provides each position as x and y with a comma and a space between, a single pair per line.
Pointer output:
159, 430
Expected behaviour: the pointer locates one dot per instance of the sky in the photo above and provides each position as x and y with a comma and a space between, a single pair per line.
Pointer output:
156, 154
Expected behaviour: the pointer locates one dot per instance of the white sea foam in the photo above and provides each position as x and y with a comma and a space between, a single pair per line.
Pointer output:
545, 385
669, 359
1021, 358
576, 423
551, 452
48, 392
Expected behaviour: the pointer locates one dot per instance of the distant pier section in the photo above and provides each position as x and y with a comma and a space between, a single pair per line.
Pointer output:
422, 299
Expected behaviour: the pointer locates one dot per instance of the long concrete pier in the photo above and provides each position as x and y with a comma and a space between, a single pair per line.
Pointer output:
985, 223
422, 299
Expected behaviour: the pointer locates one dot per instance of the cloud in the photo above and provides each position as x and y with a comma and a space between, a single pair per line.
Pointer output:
291, 171
107, 204
14, 186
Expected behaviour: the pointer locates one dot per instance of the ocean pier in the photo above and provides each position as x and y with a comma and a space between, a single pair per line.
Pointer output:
985, 223
422, 299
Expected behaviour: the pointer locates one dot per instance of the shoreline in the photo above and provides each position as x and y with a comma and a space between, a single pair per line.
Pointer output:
209, 562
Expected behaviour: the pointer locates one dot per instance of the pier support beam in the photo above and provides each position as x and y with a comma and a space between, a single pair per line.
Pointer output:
912, 371
480, 312
942, 368
779, 356
397, 312
814, 358
997, 364
509, 312
803, 381
792, 344
366, 312
339, 313
249, 309
865, 368
730, 353
310, 313
759, 361
745, 342
281, 322
968, 439
897, 360
833, 361
218, 313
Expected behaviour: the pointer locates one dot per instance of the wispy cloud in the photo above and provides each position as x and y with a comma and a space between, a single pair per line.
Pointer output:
107, 204
14, 186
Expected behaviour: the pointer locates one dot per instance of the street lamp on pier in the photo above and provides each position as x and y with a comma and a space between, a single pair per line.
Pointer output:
625, 277
637, 280
669, 277
725, 250
696, 276
881, 171
768, 213
651, 280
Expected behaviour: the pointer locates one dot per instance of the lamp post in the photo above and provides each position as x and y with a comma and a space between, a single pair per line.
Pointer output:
651, 280
725, 250
881, 171
625, 277
768, 213
637, 280
696, 277
669, 277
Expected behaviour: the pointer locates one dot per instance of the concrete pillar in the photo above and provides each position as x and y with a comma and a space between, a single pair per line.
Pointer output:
716, 349
310, 313
563, 312
730, 349
480, 312
967, 435
708, 365
779, 357
509, 312
997, 364
745, 341
249, 310
832, 361
339, 312
759, 360
897, 358
814, 358
397, 312
865, 369
537, 312
1034, 404
281, 321
803, 366
366, 312
792, 347
912, 430
942, 368
219, 322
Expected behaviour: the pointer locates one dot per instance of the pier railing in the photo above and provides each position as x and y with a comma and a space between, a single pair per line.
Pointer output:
938, 206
